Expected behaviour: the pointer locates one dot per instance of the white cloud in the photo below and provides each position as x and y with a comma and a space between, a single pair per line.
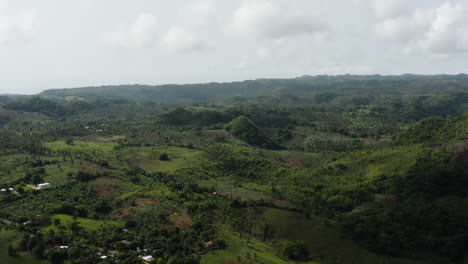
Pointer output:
197, 20
384, 8
141, 33
18, 28
389, 8
334, 68
144, 32
241, 65
439, 30
199, 15
178, 39
237, 39
268, 19
404, 28
444, 32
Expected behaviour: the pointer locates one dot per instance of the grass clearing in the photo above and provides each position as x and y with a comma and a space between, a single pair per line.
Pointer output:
241, 247
250, 191
87, 224
81, 146
388, 161
148, 158
105, 186
102, 139
295, 158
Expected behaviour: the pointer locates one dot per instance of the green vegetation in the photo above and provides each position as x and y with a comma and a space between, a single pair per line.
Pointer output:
322, 239
7, 238
436, 131
343, 169
241, 249
245, 129
62, 221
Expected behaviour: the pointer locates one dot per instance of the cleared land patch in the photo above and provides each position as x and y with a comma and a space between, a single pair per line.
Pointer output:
87, 224
105, 186
181, 220
148, 158
242, 248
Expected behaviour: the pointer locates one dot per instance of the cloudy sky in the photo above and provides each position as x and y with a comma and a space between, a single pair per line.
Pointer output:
72, 43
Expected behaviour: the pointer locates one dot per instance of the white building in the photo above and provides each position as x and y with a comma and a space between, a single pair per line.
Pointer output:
45, 185
147, 258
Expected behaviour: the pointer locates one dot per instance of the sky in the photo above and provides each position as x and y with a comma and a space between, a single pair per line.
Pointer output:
74, 43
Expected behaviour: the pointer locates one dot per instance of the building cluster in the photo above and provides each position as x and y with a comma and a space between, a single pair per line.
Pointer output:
7, 190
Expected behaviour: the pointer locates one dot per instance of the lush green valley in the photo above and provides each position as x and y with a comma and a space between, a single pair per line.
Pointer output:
325, 169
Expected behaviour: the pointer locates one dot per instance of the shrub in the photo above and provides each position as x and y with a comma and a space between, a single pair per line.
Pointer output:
295, 251
164, 157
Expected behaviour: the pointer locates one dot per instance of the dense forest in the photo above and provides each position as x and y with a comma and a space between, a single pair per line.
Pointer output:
315, 169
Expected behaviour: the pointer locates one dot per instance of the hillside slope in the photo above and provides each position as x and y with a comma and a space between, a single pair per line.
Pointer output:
435, 130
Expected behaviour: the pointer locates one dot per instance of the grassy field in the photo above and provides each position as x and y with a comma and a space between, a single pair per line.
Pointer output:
295, 158
7, 237
389, 161
87, 224
148, 158
80, 146
248, 191
10, 165
241, 247
324, 242
235, 191
103, 147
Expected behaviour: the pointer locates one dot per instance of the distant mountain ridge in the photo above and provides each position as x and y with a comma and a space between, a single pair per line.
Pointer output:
300, 86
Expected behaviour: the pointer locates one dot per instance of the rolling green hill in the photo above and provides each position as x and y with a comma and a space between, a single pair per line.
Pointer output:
311, 170
436, 130
243, 128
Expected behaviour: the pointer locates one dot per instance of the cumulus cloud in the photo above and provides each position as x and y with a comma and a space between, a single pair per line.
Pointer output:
141, 33
404, 28
178, 39
445, 32
384, 8
439, 30
268, 19
144, 32
197, 20
18, 28
390, 8
199, 15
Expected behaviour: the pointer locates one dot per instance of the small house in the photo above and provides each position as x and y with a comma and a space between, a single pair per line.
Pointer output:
45, 185
147, 258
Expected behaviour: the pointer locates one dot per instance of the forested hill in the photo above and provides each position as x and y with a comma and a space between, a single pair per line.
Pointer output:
370, 86
324, 169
